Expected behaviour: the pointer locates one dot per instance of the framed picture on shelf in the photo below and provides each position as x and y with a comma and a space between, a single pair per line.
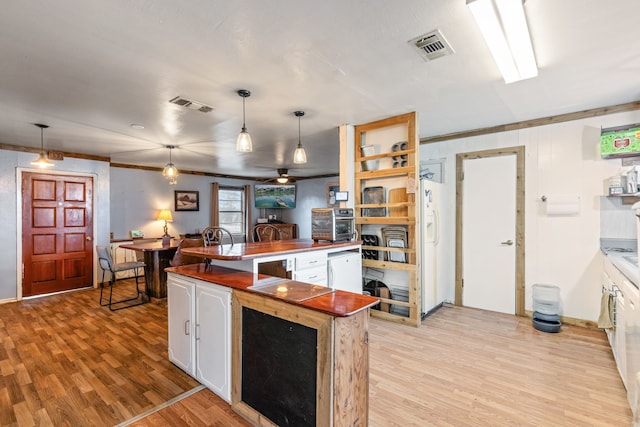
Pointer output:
332, 189
187, 200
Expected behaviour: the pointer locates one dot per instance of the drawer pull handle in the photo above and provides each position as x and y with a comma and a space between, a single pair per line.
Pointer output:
186, 327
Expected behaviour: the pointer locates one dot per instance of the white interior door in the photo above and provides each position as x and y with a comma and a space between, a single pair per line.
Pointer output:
488, 233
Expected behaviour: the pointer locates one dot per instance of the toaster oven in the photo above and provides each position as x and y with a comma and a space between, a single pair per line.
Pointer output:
332, 224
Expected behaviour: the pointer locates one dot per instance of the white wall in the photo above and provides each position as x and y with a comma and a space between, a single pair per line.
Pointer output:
311, 193
561, 159
10, 161
138, 195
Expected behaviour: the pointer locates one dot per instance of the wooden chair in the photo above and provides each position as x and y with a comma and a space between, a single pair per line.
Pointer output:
180, 259
215, 235
265, 233
106, 264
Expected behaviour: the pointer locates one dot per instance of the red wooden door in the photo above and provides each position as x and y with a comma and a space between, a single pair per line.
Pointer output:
57, 233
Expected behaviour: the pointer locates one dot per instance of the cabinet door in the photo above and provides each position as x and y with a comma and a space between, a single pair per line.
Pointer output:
621, 351
213, 338
180, 300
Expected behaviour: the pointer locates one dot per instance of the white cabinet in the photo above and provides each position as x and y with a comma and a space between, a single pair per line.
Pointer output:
311, 268
345, 271
619, 331
182, 345
213, 338
200, 331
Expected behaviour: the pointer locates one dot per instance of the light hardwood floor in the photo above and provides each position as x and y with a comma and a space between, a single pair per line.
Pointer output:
66, 361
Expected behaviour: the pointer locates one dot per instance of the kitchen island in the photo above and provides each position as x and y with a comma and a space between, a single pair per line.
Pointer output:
282, 352
299, 259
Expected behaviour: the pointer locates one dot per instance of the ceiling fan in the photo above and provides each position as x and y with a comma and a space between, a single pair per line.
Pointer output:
282, 178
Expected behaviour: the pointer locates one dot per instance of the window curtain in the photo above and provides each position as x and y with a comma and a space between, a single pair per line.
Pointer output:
215, 188
247, 210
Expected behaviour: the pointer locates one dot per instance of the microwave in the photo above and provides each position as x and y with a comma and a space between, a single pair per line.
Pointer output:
332, 224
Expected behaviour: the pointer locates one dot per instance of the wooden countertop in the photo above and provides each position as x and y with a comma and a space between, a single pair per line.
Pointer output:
244, 251
334, 302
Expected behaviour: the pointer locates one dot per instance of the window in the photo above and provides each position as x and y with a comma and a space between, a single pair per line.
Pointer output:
230, 210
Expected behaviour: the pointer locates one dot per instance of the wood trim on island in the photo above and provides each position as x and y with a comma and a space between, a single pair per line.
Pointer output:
331, 362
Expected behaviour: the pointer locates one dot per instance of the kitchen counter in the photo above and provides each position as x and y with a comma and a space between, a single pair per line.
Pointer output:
317, 298
249, 251
626, 262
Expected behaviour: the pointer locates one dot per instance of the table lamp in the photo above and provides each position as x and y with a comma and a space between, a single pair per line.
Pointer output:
165, 215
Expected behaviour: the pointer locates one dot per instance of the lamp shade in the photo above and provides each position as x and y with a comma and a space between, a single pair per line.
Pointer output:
42, 161
243, 143
165, 215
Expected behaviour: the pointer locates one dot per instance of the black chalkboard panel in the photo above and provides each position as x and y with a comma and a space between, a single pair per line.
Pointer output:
279, 368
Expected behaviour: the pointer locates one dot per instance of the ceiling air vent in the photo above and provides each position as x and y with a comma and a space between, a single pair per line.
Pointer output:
432, 45
192, 105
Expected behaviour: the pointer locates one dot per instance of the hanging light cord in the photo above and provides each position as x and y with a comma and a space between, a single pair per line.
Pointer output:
42, 141
244, 125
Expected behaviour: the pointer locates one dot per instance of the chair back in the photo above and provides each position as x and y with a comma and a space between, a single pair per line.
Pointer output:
265, 233
214, 235
180, 259
104, 258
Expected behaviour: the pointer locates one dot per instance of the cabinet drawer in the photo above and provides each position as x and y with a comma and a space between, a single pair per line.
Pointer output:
304, 262
315, 276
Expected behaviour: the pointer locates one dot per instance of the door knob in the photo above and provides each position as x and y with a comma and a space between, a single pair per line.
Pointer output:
508, 242
88, 238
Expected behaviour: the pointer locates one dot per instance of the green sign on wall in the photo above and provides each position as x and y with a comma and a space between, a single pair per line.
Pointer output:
620, 141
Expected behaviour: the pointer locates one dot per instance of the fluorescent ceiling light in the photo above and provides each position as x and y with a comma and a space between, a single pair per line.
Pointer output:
504, 28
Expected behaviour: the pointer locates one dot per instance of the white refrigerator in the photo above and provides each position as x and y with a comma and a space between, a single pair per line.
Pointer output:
345, 271
432, 265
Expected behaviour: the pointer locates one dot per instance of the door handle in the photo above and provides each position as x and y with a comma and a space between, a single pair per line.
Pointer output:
89, 238
507, 242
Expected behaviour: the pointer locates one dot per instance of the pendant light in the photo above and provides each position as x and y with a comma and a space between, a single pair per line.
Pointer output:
170, 171
42, 161
243, 143
299, 156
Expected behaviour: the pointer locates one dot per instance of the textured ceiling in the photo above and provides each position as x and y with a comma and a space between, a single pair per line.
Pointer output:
89, 69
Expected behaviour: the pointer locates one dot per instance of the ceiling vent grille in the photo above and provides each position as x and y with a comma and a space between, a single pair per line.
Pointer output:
192, 105
432, 45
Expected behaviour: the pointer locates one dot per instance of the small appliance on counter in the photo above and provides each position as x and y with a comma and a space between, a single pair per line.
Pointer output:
332, 224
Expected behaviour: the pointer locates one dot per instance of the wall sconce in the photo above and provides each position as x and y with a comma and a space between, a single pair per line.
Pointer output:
503, 25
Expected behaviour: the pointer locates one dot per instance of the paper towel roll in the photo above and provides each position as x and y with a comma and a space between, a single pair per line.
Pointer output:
563, 205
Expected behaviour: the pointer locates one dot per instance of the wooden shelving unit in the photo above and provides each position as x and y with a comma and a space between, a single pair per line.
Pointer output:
384, 136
